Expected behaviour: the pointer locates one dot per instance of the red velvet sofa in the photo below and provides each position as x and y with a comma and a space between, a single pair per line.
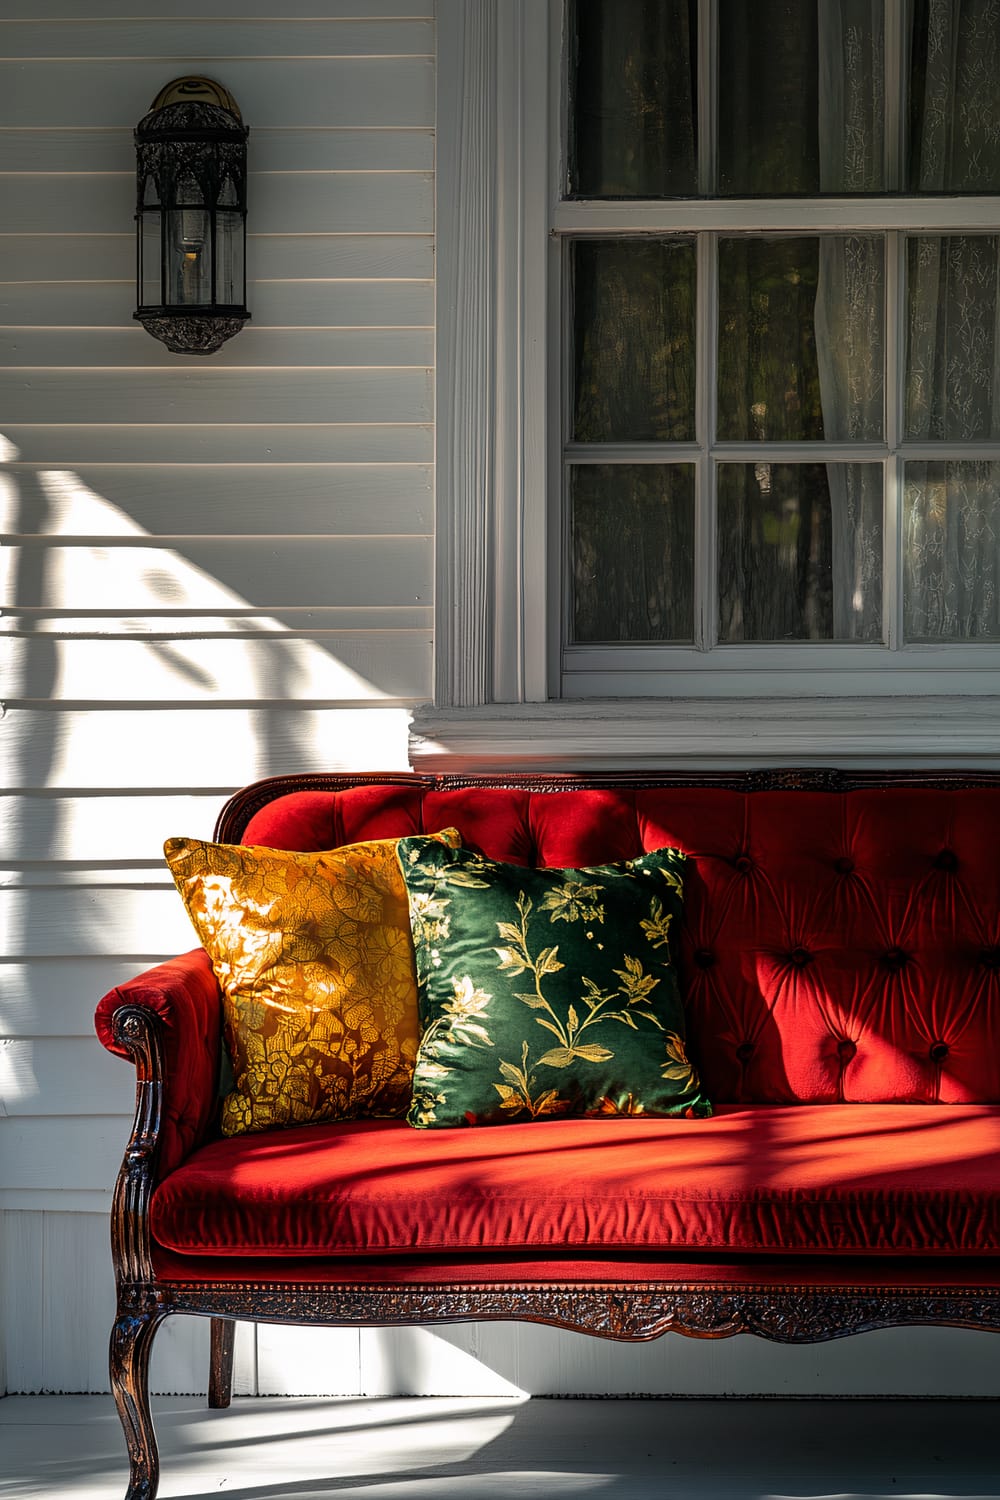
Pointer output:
840, 966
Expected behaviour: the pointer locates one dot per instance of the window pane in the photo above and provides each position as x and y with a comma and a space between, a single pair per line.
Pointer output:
800, 552
633, 90
953, 299
632, 540
801, 339
954, 143
951, 558
634, 318
801, 96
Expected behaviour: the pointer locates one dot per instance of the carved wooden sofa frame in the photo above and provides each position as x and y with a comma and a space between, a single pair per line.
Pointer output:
789, 1309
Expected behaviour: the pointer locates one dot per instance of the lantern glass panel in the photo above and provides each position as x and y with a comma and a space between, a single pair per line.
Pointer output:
150, 263
229, 271
189, 257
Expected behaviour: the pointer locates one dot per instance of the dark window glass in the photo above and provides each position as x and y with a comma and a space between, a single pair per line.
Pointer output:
632, 541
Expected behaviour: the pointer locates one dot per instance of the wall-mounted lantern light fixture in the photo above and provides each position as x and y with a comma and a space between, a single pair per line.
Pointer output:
191, 216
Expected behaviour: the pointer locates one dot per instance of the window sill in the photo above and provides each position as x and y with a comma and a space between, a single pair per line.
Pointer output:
618, 734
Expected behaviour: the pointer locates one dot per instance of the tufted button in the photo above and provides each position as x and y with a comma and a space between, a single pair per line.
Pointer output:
894, 959
745, 1051
846, 1050
946, 861
799, 957
939, 1051
990, 958
844, 865
743, 863
704, 958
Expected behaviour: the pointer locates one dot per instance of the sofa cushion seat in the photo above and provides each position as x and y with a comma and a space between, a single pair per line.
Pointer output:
823, 1179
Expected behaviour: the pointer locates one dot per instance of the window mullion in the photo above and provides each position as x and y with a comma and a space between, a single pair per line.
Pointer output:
706, 354
708, 74
895, 93
892, 605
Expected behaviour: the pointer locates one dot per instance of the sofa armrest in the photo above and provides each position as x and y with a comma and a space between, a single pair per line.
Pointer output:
183, 996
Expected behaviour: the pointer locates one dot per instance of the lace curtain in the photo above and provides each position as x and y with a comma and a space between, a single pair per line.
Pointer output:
951, 515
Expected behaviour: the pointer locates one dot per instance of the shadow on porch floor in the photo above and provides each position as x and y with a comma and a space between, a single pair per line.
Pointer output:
427, 1448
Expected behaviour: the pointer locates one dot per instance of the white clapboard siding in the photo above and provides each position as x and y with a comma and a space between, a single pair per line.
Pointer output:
273, 304
55, 997
62, 1076
63, 921
221, 10
188, 499
232, 395
356, 92
101, 38
46, 1152
264, 443
315, 347
218, 569
386, 664
112, 149
222, 748
210, 574
101, 827
327, 202
272, 257
167, 624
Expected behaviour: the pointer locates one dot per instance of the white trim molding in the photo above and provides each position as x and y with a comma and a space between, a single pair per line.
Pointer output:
674, 733
499, 218
492, 222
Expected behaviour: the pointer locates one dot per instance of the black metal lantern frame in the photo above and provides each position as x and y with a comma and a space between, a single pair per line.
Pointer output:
191, 209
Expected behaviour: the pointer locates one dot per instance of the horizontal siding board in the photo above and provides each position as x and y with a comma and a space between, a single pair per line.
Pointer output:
176, 626
62, 1076
41, 1153
273, 304
55, 997
99, 38
198, 499
265, 443
231, 395
204, 747
350, 348
63, 1200
354, 92
228, 10
59, 923
112, 827
82, 258
283, 150
217, 573
27, 875
385, 664
330, 202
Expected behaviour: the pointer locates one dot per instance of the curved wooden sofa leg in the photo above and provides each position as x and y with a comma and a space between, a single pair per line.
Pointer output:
131, 1342
220, 1369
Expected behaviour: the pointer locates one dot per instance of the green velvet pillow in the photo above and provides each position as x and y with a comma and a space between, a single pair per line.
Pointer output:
546, 992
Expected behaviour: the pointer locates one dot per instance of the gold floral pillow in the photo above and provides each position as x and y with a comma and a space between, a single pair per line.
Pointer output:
314, 957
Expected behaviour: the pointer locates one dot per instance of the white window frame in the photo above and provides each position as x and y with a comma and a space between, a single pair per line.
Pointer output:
497, 674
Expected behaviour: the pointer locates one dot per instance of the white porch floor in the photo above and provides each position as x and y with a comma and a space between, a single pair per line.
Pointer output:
431, 1448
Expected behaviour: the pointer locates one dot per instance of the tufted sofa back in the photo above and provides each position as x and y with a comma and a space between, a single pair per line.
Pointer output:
841, 939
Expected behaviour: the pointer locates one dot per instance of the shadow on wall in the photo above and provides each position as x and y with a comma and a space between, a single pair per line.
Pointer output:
143, 683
